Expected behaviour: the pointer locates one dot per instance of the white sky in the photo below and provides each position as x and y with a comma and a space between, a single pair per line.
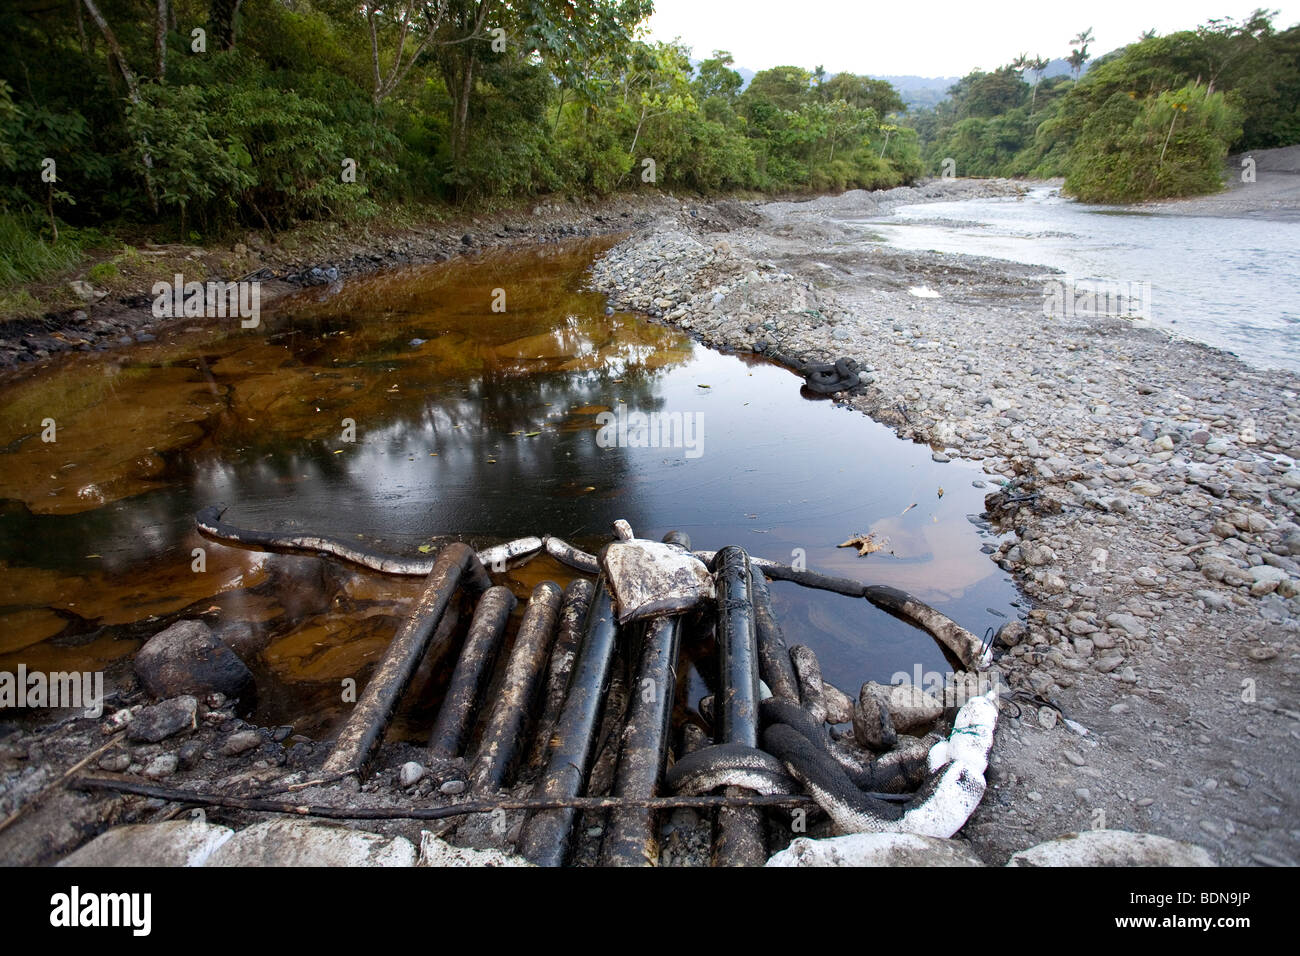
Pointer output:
925, 37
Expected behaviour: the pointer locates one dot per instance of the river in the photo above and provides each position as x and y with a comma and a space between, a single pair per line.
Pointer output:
464, 423
1230, 282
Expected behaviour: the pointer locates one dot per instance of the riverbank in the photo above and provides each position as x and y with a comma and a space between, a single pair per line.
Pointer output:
1152, 496
1156, 535
1261, 184
118, 312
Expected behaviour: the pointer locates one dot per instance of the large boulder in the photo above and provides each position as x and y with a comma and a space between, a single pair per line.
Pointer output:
306, 843
187, 658
1112, 848
876, 849
171, 843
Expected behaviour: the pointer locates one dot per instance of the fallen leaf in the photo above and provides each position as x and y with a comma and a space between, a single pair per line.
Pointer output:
865, 543
424, 549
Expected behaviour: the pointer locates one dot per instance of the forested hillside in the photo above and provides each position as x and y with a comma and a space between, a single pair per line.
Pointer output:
1153, 119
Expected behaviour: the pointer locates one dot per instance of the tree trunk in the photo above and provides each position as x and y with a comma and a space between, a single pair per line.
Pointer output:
132, 92
160, 42
222, 15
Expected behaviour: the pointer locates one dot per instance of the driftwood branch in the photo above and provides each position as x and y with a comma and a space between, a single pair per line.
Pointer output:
261, 805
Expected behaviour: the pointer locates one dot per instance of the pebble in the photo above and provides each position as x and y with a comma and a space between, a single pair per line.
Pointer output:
411, 772
241, 742
453, 787
115, 762
164, 765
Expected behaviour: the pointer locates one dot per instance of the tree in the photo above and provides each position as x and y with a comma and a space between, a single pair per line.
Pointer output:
1079, 54
715, 77
864, 93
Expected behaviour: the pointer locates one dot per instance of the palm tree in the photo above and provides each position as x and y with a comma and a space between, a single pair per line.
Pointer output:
1079, 54
1039, 66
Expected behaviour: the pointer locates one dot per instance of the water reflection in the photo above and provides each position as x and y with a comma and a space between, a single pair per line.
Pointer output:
469, 424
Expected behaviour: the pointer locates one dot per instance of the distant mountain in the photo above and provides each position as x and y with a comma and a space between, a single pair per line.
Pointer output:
920, 91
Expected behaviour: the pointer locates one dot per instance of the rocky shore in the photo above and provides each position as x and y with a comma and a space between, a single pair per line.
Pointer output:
1149, 484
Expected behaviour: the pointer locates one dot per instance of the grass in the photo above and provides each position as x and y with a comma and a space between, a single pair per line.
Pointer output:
26, 256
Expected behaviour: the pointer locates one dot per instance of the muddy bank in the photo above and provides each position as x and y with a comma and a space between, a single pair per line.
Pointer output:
1149, 482
120, 314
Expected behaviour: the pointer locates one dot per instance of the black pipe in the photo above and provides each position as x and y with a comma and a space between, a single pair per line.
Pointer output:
505, 723
632, 838
740, 829
545, 837
486, 631
456, 564
736, 704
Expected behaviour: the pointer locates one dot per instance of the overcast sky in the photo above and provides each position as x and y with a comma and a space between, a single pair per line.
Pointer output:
925, 37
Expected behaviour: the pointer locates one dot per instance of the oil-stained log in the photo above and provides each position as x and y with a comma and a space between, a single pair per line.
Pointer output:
773, 655
573, 614
456, 565
632, 839
486, 631
545, 838
509, 714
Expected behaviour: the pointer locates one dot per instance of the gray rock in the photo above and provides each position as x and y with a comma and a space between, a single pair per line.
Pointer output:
163, 765
1132, 626
410, 773
1111, 848
152, 724
187, 658
876, 849
303, 843
241, 742
116, 762
1012, 633
171, 843
900, 707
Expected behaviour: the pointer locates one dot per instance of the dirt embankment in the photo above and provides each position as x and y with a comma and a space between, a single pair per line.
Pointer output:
119, 312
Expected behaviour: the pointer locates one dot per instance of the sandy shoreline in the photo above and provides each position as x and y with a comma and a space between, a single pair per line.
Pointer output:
1160, 551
